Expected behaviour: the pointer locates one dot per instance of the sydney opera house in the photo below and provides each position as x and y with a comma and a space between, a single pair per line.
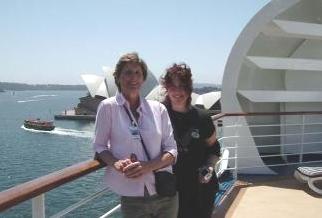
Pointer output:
100, 87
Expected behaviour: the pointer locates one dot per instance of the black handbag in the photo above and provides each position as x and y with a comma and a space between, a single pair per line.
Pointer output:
165, 182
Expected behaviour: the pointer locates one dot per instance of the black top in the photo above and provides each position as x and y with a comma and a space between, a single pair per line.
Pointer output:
191, 129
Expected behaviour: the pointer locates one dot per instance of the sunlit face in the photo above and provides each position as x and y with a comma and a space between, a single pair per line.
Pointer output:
177, 94
131, 79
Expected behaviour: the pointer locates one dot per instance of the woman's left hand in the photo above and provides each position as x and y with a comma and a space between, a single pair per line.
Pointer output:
136, 169
206, 178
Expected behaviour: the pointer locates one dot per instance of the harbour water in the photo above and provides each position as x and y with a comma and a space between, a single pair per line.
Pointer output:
28, 154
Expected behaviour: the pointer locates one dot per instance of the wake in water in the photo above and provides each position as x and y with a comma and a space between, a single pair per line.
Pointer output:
39, 96
36, 96
63, 132
30, 100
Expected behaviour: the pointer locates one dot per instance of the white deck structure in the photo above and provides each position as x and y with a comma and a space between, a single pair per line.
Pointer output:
276, 66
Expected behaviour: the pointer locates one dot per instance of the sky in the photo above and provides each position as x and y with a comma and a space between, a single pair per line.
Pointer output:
55, 41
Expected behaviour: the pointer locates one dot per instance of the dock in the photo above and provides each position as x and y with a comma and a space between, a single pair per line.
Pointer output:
71, 115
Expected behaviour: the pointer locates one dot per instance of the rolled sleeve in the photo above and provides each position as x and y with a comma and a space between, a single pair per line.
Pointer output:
168, 142
102, 128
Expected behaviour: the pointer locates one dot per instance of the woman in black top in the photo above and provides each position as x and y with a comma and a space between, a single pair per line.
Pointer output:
198, 149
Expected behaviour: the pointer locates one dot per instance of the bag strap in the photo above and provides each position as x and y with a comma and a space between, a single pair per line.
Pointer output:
135, 124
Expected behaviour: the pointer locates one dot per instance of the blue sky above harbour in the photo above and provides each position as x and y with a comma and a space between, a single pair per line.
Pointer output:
46, 42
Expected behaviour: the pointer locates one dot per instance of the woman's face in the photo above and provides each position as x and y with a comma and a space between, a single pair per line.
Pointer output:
177, 93
131, 79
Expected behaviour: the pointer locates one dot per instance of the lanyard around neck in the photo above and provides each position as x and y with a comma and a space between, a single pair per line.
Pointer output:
135, 123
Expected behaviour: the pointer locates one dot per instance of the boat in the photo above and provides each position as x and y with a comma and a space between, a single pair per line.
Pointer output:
38, 124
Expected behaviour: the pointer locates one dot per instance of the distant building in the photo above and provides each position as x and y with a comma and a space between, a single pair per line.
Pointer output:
209, 101
100, 88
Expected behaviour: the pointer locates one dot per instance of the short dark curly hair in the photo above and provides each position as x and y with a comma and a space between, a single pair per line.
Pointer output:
132, 57
182, 72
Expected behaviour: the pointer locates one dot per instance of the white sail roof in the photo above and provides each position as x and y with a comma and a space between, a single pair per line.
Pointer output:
105, 86
208, 99
95, 85
156, 94
110, 83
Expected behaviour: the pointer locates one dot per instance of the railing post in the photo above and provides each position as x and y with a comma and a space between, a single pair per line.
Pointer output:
219, 129
236, 147
302, 138
38, 206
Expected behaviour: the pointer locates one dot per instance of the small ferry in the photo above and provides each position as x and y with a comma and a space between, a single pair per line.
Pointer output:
39, 124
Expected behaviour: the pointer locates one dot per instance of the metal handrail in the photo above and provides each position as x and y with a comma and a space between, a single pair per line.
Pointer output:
276, 145
234, 125
110, 212
80, 203
270, 125
218, 116
33, 188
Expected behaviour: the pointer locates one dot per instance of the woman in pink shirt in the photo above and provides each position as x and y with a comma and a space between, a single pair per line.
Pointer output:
121, 121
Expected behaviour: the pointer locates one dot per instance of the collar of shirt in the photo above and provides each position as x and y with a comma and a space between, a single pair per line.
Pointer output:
120, 100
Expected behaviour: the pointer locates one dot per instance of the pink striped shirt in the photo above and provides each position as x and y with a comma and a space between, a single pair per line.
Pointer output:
112, 133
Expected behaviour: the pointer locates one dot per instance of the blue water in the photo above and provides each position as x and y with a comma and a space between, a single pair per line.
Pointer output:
26, 155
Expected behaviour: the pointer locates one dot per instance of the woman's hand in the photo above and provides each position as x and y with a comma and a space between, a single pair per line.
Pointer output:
205, 174
121, 164
136, 169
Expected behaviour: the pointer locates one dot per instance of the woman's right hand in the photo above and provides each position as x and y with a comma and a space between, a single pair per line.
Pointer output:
136, 169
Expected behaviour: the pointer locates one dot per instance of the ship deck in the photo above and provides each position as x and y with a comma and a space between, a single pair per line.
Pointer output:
271, 196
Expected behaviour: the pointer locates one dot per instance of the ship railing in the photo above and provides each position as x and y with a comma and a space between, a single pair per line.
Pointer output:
281, 139
231, 134
36, 189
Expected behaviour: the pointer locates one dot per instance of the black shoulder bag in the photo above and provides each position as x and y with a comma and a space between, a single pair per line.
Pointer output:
165, 182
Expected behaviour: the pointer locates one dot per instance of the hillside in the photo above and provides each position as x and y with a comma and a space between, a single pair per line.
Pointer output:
200, 88
24, 86
206, 89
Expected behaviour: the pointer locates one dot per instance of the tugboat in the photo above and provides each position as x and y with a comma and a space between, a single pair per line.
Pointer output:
39, 125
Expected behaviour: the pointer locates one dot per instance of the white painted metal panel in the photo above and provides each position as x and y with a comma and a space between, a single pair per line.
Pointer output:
294, 29
305, 30
286, 63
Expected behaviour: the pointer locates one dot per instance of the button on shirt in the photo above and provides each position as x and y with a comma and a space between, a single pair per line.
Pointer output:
112, 133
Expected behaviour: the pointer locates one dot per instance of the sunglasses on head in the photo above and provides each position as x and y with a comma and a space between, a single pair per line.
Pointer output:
178, 67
